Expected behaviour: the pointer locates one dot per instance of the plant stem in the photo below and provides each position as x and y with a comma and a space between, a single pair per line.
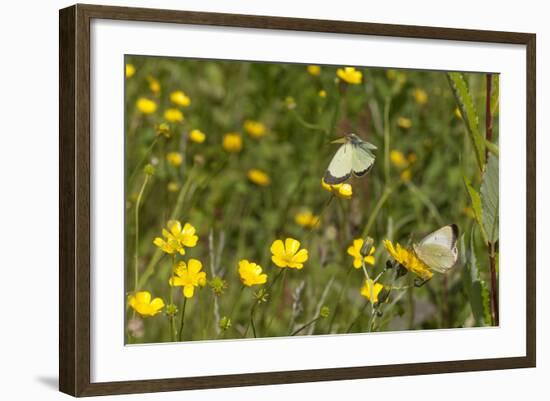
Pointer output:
136, 256
376, 210
147, 152
171, 295
494, 285
339, 298
180, 334
491, 246
387, 164
305, 326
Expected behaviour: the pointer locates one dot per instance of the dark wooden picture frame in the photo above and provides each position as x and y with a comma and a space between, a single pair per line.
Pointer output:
74, 202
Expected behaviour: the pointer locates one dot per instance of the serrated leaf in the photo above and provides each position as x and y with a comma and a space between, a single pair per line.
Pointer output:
490, 199
469, 113
475, 200
472, 282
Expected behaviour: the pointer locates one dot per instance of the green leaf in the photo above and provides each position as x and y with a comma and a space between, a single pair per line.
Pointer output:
473, 284
490, 199
495, 94
475, 199
469, 113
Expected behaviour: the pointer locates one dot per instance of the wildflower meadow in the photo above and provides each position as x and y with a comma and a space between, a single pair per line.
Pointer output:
233, 232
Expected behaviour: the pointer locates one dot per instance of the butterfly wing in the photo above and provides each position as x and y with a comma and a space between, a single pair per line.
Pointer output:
362, 160
339, 169
438, 250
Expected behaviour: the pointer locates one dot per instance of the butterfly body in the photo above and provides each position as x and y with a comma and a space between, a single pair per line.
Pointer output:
438, 250
353, 157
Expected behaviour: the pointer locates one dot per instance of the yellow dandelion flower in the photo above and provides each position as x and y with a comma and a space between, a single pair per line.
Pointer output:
355, 251
406, 175
141, 302
370, 288
173, 116
173, 186
322, 93
254, 128
398, 159
306, 219
180, 98
176, 238
420, 96
188, 276
197, 136
344, 191
154, 84
258, 177
251, 273
146, 106
288, 254
130, 70
314, 70
350, 75
408, 260
232, 142
404, 122
174, 158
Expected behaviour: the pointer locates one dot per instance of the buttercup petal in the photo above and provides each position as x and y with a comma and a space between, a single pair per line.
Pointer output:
188, 291
291, 246
277, 248
301, 256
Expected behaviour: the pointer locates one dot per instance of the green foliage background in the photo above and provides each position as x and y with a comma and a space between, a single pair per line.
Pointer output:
242, 219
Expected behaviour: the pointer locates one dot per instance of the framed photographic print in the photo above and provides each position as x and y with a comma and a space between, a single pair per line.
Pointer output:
251, 200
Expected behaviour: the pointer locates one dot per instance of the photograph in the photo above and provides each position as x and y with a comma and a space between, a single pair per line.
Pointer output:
278, 199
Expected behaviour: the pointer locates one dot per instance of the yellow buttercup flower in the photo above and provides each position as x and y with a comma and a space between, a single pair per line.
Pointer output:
370, 288
398, 159
404, 122
141, 302
173, 116
420, 96
232, 142
350, 75
258, 177
197, 136
344, 191
180, 98
408, 260
251, 273
164, 130
176, 238
154, 84
130, 70
288, 254
355, 251
254, 128
323, 93
174, 158
173, 187
314, 70
188, 276
391, 74
406, 175
306, 219
146, 106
